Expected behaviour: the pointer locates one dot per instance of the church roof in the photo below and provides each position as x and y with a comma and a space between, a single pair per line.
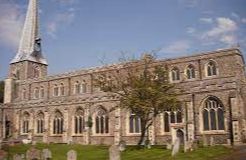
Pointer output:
30, 43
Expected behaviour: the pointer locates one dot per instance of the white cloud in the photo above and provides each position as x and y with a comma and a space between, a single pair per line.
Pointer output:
176, 47
60, 19
228, 39
11, 20
235, 15
206, 20
243, 20
190, 30
223, 31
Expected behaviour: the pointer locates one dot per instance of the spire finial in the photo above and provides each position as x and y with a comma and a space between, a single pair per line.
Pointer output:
30, 43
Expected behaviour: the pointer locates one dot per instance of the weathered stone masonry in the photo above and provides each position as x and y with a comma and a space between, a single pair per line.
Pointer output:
68, 108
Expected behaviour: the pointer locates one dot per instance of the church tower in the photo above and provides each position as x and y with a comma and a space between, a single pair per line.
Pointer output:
29, 62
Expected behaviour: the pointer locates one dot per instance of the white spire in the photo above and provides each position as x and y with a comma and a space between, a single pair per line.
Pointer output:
30, 43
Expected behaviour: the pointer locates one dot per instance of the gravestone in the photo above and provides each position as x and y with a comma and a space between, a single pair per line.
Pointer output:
176, 147
17, 157
33, 154
114, 153
71, 155
122, 146
169, 146
47, 155
3, 155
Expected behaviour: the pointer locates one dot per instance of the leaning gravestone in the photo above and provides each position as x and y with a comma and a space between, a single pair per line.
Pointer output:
122, 146
17, 157
47, 155
33, 154
114, 153
176, 147
71, 155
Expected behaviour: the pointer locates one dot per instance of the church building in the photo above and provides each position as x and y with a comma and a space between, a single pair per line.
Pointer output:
57, 108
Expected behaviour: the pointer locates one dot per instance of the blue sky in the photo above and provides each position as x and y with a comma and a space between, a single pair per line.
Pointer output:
85, 33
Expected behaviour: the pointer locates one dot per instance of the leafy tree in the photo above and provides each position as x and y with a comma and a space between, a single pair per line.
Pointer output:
1, 91
143, 88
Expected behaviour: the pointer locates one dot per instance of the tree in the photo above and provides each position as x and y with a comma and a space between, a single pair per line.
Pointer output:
143, 87
1, 91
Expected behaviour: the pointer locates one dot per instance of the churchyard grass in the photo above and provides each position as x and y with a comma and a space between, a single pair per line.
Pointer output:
91, 152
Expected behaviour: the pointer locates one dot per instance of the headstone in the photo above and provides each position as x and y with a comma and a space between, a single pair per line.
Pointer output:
169, 146
122, 146
176, 147
46, 154
34, 143
17, 157
33, 153
114, 153
26, 141
188, 146
3, 155
71, 155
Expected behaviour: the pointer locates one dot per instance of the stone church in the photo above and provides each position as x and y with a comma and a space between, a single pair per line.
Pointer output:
57, 108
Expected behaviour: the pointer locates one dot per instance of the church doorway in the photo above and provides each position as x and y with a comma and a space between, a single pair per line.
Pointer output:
180, 135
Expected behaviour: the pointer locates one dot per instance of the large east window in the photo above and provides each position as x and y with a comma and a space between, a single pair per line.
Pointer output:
213, 115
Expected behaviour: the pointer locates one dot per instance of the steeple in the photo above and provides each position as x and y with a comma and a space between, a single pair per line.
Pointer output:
30, 43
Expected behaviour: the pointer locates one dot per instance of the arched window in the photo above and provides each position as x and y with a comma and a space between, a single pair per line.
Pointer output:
135, 123
171, 116
55, 90
83, 87
175, 74
36, 93
40, 123
36, 72
77, 87
211, 69
79, 123
102, 121
190, 72
213, 115
62, 89
41, 92
25, 122
58, 123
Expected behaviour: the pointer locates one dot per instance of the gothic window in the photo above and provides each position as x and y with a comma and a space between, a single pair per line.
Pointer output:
25, 122
36, 72
58, 123
175, 74
211, 69
79, 123
135, 123
213, 115
190, 72
62, 89
41, 92
40, 123
174, 116
36, 93
83, 87
102, 121
77, 87
55, 90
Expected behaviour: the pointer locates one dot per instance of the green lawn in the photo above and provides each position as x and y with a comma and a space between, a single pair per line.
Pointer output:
101, 152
